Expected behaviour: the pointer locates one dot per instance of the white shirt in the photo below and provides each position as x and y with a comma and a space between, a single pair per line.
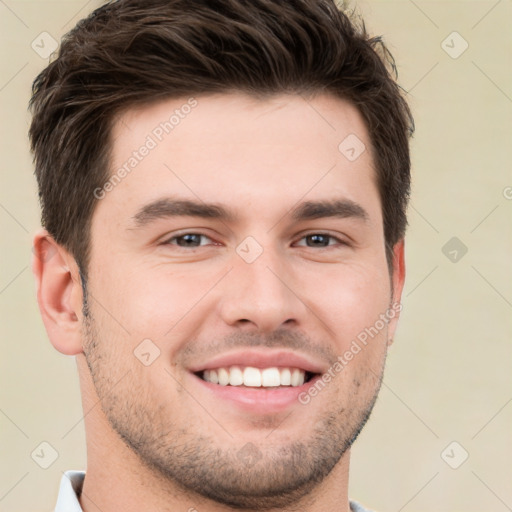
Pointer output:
71, 487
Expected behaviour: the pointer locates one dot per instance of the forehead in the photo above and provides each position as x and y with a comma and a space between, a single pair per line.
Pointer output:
241, 151
223, 119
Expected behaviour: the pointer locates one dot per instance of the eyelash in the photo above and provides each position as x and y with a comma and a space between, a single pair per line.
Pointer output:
327, 235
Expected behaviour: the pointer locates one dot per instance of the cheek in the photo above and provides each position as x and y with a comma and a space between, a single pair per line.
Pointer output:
156, 302
349, 300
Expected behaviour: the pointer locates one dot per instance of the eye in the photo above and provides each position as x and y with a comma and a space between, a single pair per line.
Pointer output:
321, 240
318, 240
188, 240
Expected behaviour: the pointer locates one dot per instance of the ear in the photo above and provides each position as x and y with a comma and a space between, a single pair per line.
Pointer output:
398, 279
59, 293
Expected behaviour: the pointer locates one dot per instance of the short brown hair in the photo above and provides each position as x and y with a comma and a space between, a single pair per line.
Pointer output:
129, 52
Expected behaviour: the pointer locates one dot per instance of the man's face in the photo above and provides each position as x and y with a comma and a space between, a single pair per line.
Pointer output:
277, 283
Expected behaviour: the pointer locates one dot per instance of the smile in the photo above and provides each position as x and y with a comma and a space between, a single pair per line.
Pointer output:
250, 376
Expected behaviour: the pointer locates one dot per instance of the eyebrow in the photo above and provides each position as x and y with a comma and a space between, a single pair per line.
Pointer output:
309, 210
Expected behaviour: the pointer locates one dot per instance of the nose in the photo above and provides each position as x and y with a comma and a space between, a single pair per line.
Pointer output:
262, 295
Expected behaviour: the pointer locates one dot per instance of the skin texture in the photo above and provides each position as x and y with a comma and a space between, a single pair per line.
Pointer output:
160, 440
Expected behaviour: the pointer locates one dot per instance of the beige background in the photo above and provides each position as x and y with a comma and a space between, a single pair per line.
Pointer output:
449, 372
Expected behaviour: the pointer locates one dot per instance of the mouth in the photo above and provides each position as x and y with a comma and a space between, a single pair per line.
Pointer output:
256, 381
252, 377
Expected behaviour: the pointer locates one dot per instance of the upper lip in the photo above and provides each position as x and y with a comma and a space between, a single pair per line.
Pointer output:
261, 359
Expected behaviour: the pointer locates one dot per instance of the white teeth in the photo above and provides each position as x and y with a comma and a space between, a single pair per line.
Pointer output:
297, 377
223, 376
252, 377
212, 376
255, 377
236, 377
286, 377
270, 377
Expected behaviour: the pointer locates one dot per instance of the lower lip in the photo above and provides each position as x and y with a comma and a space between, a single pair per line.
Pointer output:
257, 400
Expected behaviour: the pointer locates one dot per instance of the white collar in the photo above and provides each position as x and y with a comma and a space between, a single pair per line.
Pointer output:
70, 488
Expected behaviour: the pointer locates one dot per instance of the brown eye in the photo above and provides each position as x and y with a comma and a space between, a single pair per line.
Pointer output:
321, 240
318, 240
187, 240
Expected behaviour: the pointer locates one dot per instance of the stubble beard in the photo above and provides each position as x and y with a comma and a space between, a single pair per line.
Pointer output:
245, 476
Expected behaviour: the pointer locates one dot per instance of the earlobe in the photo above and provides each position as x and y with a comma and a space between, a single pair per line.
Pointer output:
59, 293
